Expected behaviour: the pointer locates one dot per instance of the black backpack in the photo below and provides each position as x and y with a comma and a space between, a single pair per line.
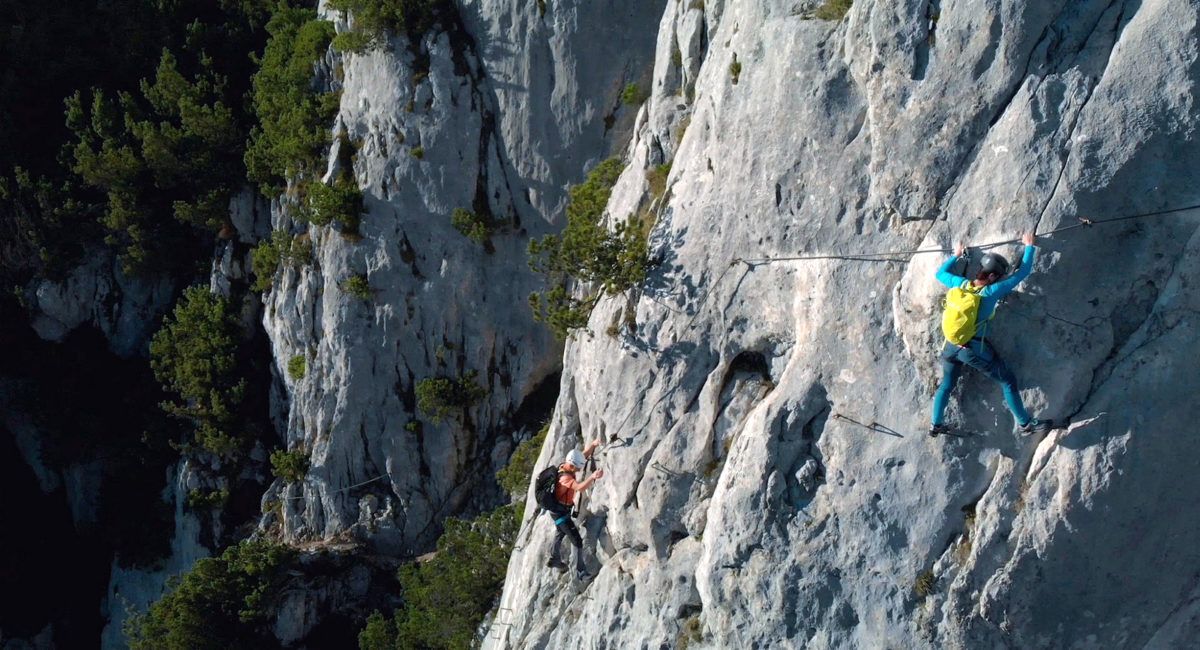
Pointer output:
544, 486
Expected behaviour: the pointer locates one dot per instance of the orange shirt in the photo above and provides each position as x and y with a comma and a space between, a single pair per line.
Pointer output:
565, 491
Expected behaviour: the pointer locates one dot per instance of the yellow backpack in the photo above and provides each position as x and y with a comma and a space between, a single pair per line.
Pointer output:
961, 309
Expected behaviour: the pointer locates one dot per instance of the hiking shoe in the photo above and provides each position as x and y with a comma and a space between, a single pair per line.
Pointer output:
1036, 426
556, 564
938, 430
584, 575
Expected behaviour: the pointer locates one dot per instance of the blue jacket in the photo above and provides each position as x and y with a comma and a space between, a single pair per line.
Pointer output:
992, 293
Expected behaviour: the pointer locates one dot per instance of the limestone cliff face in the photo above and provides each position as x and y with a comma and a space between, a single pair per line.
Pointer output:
770, 482
511, 106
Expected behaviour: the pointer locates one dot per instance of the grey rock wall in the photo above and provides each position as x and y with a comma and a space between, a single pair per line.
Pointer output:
98, 293
515, 106
770, 482
132, 589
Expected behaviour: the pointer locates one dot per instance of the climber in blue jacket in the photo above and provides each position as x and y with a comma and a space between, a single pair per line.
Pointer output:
990, 285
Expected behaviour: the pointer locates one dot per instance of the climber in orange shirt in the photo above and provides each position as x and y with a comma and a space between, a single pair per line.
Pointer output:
559, 508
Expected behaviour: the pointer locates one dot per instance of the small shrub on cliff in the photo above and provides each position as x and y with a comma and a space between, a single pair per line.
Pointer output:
925, 584
446, 598
514, 477
632, 95
342, 202
478, 228
586, 252
270, 254
690, 631
291, 466
438, 397
358, 287
657, 178
210, 500
265, 260
353, 41
222, 602
833, 9
297, 367
735, 70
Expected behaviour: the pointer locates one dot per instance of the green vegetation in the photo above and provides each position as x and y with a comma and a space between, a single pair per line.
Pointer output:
833, 9
151, 147
294, 123
479, 228
735, 70
296, 367
341, 201
690, 631
447, 597
358, 287
173, 150
270, 254
373, 19
657, 178
418, 153
291, 466
194, 355
380, 633
925, 584
587, 252
293, 130
207, 500
633, 95
515, 476
353, 41
439, 397
222, 603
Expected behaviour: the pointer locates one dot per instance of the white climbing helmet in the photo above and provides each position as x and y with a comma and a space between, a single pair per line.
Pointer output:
576, 458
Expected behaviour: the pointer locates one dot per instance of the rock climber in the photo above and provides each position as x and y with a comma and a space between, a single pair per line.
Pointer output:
966, 340
564, 499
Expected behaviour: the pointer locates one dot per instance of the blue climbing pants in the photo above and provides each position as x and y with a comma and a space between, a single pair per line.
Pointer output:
981, 356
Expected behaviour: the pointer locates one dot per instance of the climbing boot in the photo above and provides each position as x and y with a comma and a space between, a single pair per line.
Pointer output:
938, 430
555, 563
1036, 427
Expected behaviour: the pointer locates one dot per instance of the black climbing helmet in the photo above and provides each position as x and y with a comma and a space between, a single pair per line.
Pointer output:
993, 263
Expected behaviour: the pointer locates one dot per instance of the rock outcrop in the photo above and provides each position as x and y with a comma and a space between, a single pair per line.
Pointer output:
98, 293
763, 399
505, 107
